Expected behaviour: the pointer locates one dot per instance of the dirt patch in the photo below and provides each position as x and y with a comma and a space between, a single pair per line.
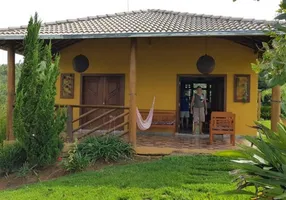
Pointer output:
55, 171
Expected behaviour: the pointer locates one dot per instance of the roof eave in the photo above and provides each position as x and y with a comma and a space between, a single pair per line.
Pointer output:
129, 35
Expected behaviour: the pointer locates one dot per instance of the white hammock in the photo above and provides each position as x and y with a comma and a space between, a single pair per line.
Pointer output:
145, 124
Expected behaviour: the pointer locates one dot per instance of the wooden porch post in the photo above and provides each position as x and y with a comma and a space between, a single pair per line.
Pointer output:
275, 107
259, 104
132, 91
70, 124
11, 91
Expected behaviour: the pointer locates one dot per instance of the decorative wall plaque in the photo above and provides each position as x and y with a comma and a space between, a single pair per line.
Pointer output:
206, 64
67, 86
241, 88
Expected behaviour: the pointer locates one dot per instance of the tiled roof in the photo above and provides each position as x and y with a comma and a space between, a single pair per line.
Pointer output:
143, 24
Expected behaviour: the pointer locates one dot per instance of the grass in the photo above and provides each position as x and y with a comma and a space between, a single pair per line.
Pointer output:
179, 178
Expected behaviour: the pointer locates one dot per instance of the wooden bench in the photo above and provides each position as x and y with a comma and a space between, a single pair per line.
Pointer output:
162, 119
222, 123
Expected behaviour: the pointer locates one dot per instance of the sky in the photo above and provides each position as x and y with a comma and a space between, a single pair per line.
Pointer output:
17, 12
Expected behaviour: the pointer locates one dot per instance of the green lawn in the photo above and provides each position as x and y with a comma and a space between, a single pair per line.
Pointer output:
176, 178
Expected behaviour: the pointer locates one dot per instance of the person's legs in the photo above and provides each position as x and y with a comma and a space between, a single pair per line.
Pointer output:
182, 119
182, 122
196, 119
187, 115
201, 128
202, 119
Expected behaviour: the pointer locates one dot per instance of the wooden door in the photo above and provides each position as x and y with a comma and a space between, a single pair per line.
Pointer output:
103, 90
114, 95
114, 90
93, 94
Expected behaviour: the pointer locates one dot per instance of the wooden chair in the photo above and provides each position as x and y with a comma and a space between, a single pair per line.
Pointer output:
222, 123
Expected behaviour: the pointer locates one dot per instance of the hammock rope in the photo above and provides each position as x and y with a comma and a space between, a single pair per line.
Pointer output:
145, 124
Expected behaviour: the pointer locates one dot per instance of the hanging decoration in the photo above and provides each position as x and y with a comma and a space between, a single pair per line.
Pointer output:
206, 64
80, 63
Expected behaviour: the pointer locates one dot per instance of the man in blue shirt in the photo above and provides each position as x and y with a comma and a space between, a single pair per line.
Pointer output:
185, 110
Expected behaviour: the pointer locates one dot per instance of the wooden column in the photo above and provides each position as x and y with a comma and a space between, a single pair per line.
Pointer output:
70, 124
275, 107
11, 91
259, 104
132, 91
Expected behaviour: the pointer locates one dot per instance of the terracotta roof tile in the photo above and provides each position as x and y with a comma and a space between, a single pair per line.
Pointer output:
146, 22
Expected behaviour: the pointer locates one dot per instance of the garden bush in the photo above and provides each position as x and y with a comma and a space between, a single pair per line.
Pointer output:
2, 130
12, 157
266, 112
2, 124
106, 148
75, 161
24, 171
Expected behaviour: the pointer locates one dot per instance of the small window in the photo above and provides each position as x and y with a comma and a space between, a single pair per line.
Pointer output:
187, 86
202, 85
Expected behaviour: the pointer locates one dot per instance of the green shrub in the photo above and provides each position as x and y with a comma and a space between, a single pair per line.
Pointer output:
12, 157
24, 171
266, 112
36, 123
2, 124
263, 166
107, 148
2, 131
75, 161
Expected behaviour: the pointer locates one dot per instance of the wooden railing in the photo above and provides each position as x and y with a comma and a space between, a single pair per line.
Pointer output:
97, 118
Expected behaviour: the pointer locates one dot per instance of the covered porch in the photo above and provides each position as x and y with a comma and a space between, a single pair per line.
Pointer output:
112, 118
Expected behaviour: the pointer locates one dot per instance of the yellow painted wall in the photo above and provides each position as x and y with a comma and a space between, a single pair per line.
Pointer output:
159, 61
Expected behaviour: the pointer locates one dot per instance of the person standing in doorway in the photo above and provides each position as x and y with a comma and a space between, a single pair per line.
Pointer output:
185, 110
198, 109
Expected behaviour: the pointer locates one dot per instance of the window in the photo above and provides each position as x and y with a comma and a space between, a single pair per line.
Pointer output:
187, 86
202, 85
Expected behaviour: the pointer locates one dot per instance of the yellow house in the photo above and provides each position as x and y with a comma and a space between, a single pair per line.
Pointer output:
116, 62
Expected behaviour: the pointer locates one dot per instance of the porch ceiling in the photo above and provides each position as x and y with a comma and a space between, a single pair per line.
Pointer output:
253, 42
57, 45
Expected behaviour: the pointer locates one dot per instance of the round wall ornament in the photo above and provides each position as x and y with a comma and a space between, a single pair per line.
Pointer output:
206, 64
80, 63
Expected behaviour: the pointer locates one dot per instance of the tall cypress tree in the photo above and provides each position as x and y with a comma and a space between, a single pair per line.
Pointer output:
36, 123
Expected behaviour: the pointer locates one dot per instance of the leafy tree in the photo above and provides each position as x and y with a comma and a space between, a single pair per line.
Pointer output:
263, 165
36, 123
3, 81
273, 62
3, 97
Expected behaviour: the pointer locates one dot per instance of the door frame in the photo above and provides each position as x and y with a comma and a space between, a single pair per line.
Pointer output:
179, 76
83, 75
